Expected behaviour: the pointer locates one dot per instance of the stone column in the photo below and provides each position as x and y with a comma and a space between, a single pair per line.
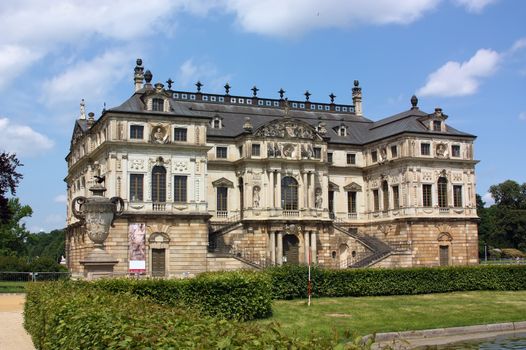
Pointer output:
306, 246
313, 246
273, 247
305, 190
278, 190
271, 189
325, 190
312, 195
280, 248
301, 194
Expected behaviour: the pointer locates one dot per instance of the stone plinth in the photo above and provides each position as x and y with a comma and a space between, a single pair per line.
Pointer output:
98, 264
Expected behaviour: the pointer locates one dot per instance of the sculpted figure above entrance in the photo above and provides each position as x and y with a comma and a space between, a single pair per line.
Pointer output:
288, 129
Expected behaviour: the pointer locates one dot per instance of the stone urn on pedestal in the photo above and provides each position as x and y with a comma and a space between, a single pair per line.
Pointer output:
97, 213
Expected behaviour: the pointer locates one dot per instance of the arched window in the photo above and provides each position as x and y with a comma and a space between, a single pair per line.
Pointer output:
442, 192
289, 193
158, 184
385, 193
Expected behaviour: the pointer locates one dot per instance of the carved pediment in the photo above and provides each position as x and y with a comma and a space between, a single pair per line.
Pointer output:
333, 186
353, 187
288, 129
222, 182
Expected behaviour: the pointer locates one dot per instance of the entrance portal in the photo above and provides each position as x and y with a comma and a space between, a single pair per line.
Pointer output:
291, 249
158, 262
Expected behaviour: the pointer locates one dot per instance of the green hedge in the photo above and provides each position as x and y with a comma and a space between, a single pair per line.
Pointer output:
241, 295
75, 315
289, 282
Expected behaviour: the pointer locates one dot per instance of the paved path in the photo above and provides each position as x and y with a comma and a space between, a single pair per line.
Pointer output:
13, 336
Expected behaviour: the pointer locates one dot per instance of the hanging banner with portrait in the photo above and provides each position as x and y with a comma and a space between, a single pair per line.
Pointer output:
137, 248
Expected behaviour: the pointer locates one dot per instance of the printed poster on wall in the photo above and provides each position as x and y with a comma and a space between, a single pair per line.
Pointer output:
137, 248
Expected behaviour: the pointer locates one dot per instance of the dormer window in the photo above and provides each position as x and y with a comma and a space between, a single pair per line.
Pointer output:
342, 130
216, 123
157, 104
437, 125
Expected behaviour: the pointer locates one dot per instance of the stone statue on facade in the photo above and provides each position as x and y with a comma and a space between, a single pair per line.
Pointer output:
319, 198
255, 197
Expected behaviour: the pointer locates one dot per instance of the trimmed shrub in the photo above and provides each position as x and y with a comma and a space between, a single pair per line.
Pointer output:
290, 282
76, 315
241, 295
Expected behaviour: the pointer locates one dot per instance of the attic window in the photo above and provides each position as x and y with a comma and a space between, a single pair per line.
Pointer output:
157, 104
342, 131
216, 123
437, 125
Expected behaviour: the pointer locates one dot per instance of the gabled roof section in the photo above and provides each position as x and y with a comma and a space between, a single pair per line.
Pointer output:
80, 128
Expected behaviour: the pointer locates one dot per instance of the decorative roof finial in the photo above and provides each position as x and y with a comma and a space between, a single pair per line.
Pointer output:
247, 126
281, 92
332, 97
104, 107
169, 82
307, 95
148, 76
287, 108
255, 90
199, 85
82, 110
138, 75
414, 102
227, 88
356, 83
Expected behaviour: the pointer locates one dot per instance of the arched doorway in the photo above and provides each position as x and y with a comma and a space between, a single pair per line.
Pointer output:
344, 256
291, 249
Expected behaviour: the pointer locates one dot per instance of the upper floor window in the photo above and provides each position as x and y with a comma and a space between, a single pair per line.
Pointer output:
351, 202
180, 134
376, 200
158, 104
394, 151
457, 196
396, 197
289, 193
240, 148
351, 158
385, 193
455, 151
374, 156
136, 132
425, 149
442, 192
158, 184
221, 152
426, 196
180, 188
329, 157
136, 187
437, 125
317, 152
256, 149
222, 199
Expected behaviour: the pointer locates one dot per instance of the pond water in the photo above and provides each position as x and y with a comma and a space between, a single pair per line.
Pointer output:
504, 342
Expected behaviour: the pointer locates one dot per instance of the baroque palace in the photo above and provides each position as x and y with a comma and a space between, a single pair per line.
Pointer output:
219, 182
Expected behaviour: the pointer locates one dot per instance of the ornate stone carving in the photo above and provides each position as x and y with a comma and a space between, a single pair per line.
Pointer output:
384, 228
159, 134
354, 187
427, 176
136, 164
441, 150
222, 182
319, 198
288, 150
286, 129
180, 166
255, 197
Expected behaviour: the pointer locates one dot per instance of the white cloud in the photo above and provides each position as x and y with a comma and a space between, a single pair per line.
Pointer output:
295, 17
488, 199
474, 6
22, 140
14, 60
461, 78
518, 45
91, 80
206, 72
522, 116
61, 198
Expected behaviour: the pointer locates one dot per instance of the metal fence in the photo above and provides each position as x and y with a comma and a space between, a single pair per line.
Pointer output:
9, 276
510, 261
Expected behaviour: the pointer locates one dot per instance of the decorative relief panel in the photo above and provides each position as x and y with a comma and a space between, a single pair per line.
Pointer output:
441, 150
457, 177
427, 176
136, 164
180, 166
284, 129
159, 134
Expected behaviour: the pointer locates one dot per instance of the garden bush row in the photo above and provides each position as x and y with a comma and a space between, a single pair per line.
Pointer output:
289, 282
74, 315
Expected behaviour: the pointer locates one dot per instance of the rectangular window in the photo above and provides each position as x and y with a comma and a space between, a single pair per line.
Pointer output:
425, 149
158, 104
455, 150
180, 188
351, 158
437, 125
256, 149
222, 198
394, 151
136, 132
426, 196
457, 196
376, 200
317, 152
351, 202
374, 156
136, 187
396, 197
221, 152
180, 134
329, 157
240, 148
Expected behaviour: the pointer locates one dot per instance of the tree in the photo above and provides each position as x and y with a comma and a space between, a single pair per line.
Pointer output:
9, 179
509, 194
13, 233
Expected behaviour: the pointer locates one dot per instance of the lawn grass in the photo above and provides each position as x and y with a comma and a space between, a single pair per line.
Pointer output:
366, 315
12, 287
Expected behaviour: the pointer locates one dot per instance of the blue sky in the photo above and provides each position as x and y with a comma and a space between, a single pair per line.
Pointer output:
466, 56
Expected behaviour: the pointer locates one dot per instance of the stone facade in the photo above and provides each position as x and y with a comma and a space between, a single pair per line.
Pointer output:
227, 182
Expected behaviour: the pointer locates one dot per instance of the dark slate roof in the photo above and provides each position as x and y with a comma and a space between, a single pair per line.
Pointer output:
360, 130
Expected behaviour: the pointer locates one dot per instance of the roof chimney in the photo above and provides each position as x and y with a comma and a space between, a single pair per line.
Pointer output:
357, 98
138, 75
